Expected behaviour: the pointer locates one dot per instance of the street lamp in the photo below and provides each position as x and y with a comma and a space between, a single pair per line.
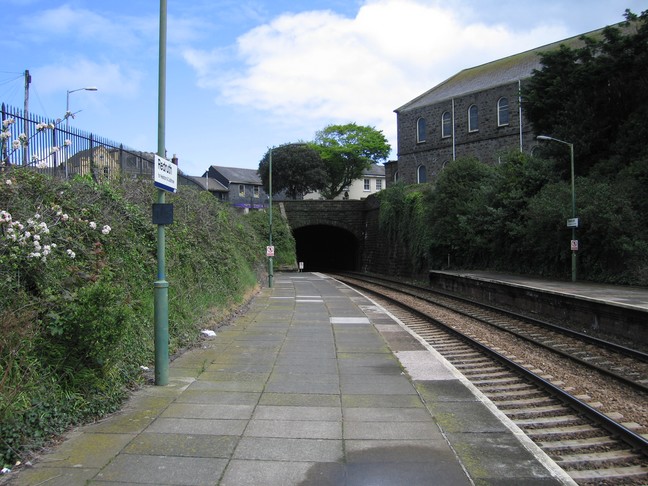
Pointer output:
67, 118
573, 222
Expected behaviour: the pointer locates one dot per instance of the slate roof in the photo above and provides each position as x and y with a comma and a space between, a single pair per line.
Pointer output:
496, 73
239, 176
375, 170
208, 183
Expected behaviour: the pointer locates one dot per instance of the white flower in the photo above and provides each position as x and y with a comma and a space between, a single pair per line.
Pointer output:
5, 135
27, 234
70, 253
106, 229
67, 142
7, 122
8, 182
43, 164
93, 225
36, 237
54, 150
15, 144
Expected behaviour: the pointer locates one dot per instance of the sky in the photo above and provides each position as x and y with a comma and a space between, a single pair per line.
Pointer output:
243, 76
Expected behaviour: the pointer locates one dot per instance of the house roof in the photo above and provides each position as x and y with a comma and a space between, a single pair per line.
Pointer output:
496, 73
375, 170
239, 176
208, 184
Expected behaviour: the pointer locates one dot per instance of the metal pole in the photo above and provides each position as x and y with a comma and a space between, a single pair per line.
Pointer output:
26, 119
573, 194
161, 286
270, 269
573, 191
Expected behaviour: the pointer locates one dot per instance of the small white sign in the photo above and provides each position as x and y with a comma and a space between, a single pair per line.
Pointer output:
574, 245
572, 223
165, 174
270, 251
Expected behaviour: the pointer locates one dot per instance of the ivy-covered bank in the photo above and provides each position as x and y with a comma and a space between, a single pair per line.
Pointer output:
77, 265
512, 217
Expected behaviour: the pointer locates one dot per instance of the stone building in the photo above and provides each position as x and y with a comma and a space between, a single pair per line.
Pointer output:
478, 113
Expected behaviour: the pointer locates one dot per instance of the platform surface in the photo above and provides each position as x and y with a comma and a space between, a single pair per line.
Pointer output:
314, 385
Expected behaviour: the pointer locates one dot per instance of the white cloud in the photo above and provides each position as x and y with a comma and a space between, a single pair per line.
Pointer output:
108, 77
321, 66
89, 26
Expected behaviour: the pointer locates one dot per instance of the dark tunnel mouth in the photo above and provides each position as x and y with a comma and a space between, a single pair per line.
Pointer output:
326, 248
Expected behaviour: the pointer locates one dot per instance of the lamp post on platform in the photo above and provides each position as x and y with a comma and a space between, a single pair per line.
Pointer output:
67, 118
573, 222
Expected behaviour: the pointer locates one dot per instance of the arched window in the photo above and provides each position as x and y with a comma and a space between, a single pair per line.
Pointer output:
421, 174
502, 112
446, 125
395, 176
473, 118
420, 130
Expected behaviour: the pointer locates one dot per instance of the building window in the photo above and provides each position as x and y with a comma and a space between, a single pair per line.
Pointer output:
241, 190
395, 176
421, 174
420, 130
378, 184
473, 118
502, 112
367, 185
256, 191
446, 125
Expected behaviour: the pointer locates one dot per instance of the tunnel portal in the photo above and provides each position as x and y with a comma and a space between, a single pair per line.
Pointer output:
326, 248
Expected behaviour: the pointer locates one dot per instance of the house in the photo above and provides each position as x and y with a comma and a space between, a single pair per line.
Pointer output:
478, 113
242, 188
371, 182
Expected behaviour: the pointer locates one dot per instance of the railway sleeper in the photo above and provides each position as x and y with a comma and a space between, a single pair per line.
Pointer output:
489, 387
623, 456
568, 419
598, 442
515, 413
574, 431
610, 474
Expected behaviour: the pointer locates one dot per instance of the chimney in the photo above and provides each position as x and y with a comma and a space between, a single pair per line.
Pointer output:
174, 160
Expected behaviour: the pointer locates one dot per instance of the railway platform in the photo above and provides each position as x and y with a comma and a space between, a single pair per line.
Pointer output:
628, 296
314, 384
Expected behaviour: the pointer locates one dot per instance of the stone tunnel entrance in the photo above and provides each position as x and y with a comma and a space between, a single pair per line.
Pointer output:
326, 248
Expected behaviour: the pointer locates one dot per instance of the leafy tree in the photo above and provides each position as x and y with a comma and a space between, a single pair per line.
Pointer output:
347, 151
459, 213
297, 168
595, 94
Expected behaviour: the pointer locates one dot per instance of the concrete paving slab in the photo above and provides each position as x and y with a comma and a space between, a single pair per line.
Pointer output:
177, 425
182, 471
55, 476
281, 449
263, 412
208, 411
306, 429
241, 472
184, 445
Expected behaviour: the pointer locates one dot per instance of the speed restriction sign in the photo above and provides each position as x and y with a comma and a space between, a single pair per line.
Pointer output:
270, 251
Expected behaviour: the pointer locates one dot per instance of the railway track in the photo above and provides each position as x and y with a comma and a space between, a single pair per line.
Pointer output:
490, 348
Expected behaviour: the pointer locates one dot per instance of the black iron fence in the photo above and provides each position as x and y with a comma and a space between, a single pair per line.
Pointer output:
52, 147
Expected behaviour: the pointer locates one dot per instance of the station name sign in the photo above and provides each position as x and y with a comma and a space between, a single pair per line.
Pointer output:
165, 174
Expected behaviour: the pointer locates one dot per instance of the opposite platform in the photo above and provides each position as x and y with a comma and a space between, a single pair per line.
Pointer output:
314, 385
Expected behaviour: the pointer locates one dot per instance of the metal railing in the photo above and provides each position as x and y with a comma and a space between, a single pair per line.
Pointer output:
48, 147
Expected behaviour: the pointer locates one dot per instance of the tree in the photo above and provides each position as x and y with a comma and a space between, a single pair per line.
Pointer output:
297, 168
595, 96
347, 151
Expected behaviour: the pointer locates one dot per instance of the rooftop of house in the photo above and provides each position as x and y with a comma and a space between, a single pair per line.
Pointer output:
238, 176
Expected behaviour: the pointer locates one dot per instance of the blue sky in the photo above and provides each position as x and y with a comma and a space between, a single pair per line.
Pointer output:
245, 75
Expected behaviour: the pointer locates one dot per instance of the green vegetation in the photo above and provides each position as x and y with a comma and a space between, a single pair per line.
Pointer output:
512, 217
77, 265
338, 156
